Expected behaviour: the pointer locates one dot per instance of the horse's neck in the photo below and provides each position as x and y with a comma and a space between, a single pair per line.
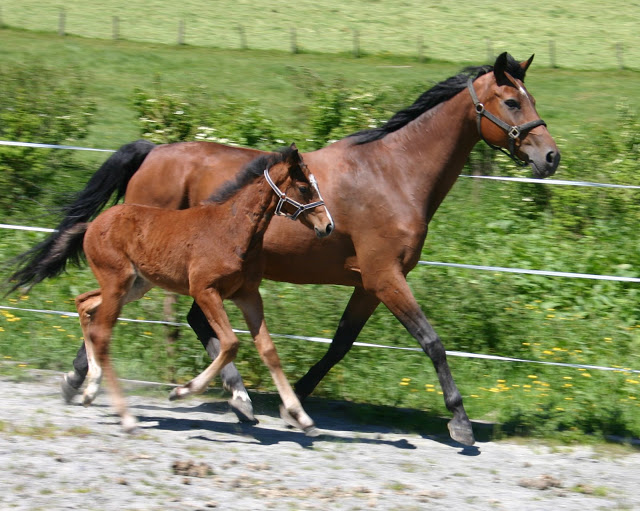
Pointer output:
432, 151
255, 205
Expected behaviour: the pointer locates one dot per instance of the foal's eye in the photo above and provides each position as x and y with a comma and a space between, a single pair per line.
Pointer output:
304, 190
512, 103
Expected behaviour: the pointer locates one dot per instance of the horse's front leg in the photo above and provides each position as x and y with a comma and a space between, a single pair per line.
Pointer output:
394, 292
210, 302
240, 401
250, 303
359, 309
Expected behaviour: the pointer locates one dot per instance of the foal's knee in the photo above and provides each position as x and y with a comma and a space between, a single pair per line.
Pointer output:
229, 350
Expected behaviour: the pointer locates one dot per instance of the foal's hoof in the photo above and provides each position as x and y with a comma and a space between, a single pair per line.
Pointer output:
129, 424
243, 410
309, 429
67, 389
179, 393
461, 431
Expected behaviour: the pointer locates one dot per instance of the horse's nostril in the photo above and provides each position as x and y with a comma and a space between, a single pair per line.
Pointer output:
329, 229
551, 156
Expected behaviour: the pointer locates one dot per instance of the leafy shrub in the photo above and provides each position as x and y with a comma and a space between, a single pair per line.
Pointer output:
38, 104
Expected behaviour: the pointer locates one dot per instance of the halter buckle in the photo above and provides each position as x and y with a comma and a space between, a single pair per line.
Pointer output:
514, 132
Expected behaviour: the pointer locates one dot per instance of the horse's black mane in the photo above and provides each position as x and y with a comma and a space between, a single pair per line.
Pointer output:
439, 93
252, 170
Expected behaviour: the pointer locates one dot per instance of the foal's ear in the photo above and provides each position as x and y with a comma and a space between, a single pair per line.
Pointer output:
294, 155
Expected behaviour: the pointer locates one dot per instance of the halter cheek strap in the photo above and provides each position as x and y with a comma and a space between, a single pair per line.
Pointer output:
514, 132
283, 199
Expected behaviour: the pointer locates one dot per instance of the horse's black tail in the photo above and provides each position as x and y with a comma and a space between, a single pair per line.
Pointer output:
46, 260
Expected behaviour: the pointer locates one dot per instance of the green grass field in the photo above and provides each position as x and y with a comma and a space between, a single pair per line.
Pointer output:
536, 318
586, 34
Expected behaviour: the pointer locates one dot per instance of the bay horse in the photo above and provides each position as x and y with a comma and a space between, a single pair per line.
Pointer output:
211, 252
384, 186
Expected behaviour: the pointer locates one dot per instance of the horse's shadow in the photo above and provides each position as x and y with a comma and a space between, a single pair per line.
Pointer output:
338, 421
264, 435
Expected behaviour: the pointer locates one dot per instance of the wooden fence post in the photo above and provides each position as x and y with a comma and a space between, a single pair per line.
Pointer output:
115, 22
356, 43
490, 55
243, 37
62, 15
552, 54
294, 40
618, 54
181, 32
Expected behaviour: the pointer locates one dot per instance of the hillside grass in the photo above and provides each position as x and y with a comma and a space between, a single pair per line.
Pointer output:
586, 34
527, 317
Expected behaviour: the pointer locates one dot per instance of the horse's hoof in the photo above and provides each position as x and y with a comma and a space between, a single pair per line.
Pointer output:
312, 431
461, 431
179, 393
67, 389
129, 424
90, 394
243, 410
291, 421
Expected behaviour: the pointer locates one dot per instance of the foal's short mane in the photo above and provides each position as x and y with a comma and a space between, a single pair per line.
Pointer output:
252, 170
439, 93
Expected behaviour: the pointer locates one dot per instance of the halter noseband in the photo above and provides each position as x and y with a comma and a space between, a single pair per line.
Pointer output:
514, 132
283, 199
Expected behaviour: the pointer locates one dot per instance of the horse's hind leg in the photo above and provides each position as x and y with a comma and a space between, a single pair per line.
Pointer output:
73, 380
86, 305
240, 401
99, 312
250, 303
359, 309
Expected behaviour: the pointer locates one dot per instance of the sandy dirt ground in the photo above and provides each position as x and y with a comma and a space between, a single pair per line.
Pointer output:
194, 455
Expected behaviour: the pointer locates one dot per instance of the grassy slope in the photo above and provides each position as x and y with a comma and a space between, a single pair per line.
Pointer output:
585, 32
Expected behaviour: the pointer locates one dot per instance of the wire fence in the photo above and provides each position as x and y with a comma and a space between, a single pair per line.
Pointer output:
587, 42
524, 271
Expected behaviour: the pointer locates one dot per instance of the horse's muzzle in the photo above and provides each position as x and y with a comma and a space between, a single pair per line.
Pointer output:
323, 233
546, 167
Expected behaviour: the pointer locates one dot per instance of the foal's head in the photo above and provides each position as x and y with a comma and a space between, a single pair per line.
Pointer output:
291, 181
299, 193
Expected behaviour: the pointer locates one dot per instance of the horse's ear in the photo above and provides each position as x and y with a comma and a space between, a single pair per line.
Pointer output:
500, 67
293, 156
525, 65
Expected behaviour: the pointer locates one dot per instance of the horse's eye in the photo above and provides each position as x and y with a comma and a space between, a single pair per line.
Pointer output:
304, 190
512, 103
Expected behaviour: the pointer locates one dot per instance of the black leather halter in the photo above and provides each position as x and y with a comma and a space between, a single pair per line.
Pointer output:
514, 132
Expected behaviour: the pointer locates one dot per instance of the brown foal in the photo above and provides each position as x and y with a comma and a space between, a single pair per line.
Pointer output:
210, 252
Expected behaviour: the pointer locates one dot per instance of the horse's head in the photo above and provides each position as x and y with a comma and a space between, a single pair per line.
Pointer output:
507, 118
300, 197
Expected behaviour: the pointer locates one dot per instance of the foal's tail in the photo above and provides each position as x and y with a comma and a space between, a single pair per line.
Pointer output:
49, 258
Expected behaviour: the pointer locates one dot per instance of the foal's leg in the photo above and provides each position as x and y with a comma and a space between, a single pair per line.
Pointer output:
86, 305
358, 311
98, 311
211, 305
250, 303
73, 380
240, 401
98, 340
